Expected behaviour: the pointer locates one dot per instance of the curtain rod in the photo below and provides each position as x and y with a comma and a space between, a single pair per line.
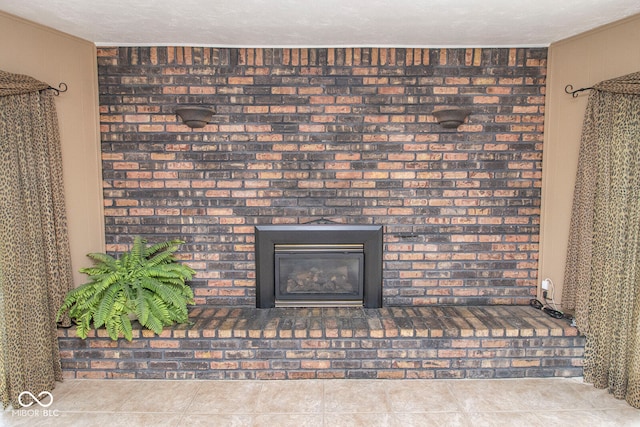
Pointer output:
569, 89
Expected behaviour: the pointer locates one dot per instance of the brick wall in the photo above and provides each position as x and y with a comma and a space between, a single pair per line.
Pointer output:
344, 134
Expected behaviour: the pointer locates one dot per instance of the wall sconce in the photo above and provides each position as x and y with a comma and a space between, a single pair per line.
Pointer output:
195, 117
451, 118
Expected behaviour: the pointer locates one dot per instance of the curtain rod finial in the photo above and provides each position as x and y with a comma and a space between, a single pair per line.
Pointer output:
574, 93
62, 87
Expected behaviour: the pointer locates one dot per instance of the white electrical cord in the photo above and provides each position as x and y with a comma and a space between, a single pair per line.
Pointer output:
550, 294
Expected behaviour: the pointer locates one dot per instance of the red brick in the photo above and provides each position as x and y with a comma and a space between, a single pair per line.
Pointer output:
240, 80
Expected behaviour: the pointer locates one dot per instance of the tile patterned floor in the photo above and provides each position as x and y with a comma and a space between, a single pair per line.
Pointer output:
370, 403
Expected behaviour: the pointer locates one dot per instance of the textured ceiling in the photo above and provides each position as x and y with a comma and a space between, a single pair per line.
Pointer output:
326, 23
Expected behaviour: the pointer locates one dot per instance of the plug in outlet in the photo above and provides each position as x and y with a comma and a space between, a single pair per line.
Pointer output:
545, 284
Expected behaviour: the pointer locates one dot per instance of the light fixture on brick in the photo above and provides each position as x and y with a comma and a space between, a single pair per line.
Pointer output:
195, 117
451, 118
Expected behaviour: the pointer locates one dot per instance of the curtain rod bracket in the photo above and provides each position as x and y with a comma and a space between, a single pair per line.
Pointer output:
62, 87
569, 89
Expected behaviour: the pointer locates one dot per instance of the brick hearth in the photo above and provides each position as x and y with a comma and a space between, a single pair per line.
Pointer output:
295, 343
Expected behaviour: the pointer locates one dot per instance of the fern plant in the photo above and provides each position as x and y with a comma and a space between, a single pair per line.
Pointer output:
146, 283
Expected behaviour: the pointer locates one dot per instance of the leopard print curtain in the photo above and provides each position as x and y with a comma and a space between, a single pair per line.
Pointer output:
602, 276
35, 262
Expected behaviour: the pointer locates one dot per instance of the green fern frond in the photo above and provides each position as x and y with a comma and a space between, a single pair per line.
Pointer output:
154, 324
83, 325
102, 259
178, 314
159, 309
141, 307
169, 246
126, 262
127, 330
114, 326
105, 307
166, 293
138, 250
156, 314
177, 270
161, 258
76, 296
110, 279
95, 271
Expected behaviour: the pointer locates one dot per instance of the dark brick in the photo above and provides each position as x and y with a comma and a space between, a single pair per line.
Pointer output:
163, 365
150, 375
195, 344
178, 354
194, 365
148, 354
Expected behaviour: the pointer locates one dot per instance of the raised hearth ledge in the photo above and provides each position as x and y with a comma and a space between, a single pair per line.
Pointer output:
303, 343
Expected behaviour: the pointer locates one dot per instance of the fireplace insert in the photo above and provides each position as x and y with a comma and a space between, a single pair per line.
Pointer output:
318, 266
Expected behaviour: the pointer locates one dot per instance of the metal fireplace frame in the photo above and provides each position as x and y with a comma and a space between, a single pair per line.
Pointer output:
268, 236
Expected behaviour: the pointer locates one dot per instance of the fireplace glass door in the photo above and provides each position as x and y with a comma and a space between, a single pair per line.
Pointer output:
319, 274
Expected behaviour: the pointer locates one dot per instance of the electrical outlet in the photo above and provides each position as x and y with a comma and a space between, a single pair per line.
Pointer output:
545, 284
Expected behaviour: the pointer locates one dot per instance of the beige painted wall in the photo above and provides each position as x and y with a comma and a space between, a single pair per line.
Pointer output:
54, 57
581, 61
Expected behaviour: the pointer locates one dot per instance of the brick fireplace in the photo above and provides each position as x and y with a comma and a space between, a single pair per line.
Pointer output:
342, 134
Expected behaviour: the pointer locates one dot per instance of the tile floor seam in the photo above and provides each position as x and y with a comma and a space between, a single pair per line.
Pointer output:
193, 397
